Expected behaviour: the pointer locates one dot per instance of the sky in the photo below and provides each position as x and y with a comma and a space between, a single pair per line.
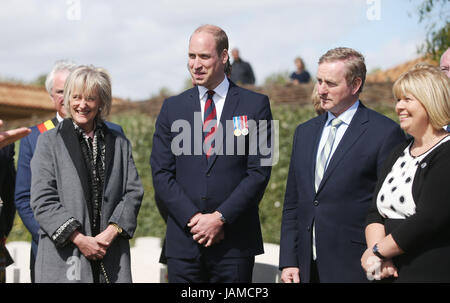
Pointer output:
144, 44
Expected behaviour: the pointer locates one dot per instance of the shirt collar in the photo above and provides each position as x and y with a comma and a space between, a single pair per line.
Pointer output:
346, 117
58, 116
220, 90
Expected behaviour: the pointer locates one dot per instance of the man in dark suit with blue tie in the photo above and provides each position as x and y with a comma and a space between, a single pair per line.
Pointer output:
212, 188
54, 84
336, 160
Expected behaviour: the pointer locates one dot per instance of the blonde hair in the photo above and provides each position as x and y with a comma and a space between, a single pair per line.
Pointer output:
89, 80
431, 88
353, 60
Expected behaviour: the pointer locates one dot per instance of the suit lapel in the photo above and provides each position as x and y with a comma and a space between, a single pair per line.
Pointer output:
316, 135
73, 147
110, 142
194, 101
231, 101
193, 108
357, 127
55, 121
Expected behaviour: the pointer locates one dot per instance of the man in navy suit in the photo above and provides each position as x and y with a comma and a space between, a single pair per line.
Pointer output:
54, 84
212, 188
332, 175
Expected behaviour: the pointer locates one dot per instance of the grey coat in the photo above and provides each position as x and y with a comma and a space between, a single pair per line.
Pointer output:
58, 192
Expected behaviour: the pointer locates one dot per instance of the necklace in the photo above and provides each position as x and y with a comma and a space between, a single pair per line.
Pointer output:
415, 151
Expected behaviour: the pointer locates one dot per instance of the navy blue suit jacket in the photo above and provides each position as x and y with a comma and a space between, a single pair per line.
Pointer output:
231, 184
340, 206
23, 181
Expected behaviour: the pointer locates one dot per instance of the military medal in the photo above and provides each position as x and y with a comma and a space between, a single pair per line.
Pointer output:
237, 131
240, 125
245, 125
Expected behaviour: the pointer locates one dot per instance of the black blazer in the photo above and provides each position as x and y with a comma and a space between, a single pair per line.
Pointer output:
424, 236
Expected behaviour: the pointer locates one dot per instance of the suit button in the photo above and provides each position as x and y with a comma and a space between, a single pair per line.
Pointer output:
308, 228
208, 175
204, 198
316, 203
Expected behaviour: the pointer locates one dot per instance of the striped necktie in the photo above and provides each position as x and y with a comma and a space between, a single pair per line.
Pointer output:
326, 151
209, 125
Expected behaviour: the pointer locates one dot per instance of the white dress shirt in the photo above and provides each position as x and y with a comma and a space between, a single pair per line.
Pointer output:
59, 117
346, 117
219, 97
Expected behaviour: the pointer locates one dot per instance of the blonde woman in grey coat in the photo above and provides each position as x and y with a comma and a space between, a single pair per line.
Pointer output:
85, 189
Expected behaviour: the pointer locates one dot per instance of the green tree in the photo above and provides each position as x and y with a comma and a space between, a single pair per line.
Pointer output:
40, 80
435, 14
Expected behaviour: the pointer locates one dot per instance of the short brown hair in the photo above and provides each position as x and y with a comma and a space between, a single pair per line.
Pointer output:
353, 60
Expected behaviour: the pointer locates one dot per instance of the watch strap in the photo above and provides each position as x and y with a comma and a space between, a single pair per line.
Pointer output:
377, 253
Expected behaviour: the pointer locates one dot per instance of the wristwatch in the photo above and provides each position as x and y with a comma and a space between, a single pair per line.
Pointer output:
222, 218
377, 253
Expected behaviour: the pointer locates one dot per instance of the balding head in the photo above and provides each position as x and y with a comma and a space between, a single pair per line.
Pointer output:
219, 35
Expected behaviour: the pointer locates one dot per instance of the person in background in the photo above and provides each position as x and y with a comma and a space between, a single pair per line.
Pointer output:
444, 63
315, 99
301, 75
408, 226
54, 85
241, 71
336, 159
7, 209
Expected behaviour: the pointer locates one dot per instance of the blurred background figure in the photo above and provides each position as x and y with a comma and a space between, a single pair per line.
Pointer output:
241, 71
301, 75
315, 99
